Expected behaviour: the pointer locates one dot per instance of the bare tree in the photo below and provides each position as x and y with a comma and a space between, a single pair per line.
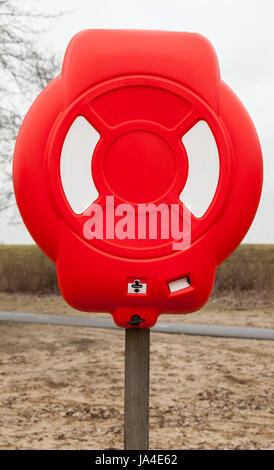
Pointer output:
24, 71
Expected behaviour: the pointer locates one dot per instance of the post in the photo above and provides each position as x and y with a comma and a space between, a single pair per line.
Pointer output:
136, 420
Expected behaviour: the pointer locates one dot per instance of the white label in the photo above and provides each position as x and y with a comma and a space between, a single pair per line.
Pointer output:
137, 287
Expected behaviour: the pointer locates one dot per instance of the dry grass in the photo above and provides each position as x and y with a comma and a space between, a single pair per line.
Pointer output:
250, 267
24, 268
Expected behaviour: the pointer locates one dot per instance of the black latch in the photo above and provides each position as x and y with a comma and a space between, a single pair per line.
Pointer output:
136, 320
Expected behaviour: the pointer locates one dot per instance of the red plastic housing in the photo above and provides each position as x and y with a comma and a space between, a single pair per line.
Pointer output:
142, 91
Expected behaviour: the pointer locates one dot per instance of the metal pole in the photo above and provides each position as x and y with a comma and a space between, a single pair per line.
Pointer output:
136, 421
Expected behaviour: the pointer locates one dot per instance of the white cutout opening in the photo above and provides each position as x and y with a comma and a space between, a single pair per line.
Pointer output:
178, 284
203, 173
75, 165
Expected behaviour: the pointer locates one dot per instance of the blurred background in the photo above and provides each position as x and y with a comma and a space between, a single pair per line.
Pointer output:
62, 387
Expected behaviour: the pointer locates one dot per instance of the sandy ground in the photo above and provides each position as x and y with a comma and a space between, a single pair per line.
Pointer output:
62, 387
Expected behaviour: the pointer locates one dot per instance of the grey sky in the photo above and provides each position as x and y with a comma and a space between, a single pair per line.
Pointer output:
243, 35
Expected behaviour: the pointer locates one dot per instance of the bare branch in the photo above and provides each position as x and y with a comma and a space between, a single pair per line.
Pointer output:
24, 71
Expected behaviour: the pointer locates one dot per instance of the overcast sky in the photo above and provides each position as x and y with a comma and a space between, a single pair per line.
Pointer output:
243, 35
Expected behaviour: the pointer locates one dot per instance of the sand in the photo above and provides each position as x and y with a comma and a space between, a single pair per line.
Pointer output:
62, 387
